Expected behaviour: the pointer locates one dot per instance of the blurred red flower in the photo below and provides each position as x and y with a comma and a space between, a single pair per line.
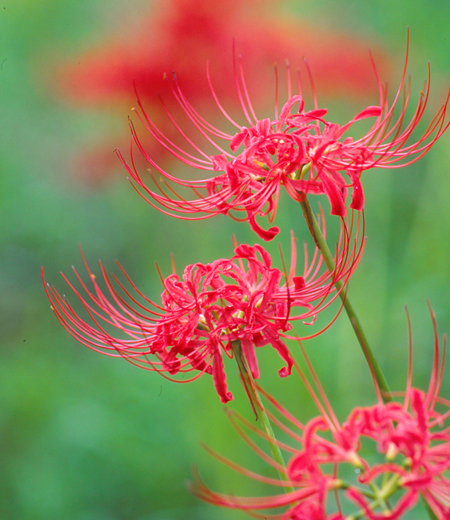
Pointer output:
183, 35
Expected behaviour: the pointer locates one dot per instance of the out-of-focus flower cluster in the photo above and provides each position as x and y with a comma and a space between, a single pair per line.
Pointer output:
185, 34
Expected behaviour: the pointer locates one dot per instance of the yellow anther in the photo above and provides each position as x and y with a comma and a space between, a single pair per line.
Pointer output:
391, 452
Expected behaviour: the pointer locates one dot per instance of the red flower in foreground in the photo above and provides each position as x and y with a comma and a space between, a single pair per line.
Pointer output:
298, 150
410, 438
239, 299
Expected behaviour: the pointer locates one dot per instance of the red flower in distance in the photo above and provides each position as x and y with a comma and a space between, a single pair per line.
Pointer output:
184, 35
239, 299
298, 150
187, 33
411, 439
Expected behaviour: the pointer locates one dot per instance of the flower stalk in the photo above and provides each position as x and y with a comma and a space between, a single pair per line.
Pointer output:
258, 409
321, 243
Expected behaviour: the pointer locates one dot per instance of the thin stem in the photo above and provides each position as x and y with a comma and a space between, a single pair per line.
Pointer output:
430, 512
259, 410
321, 243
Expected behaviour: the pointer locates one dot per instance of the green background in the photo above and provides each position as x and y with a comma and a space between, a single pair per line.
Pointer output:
85, 437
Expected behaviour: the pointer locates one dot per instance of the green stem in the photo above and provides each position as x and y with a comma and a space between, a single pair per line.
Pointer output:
259, 410
430, 512
381, 499
321, 243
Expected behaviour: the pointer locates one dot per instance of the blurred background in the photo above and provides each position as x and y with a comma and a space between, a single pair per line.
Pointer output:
86, 437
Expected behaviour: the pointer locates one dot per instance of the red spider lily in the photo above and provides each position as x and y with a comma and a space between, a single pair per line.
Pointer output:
185, 34
411, 439
239, 299
298, 149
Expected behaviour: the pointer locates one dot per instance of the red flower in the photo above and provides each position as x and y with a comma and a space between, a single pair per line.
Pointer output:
410, 438
239, 299
183, 35
187, 33
298, 149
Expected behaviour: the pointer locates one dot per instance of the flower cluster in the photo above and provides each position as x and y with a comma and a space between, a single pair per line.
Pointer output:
411, 437
232, 307
241, 299
298, 149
